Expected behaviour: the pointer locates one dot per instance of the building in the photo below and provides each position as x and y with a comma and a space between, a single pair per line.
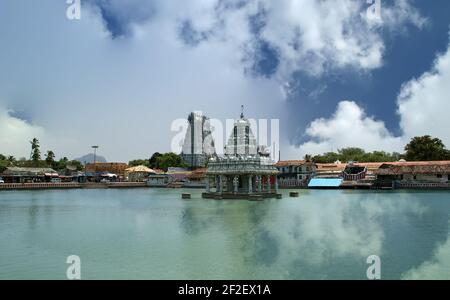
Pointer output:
295, 173
333, 170
113, 168
174, 177
158, 180
243, 172
421, 174
196, 179
24, 175
360, 175
198, 144
327, 176
138, 173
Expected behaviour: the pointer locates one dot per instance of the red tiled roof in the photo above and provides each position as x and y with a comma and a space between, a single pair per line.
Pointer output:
287, 163
414, 167
330, 167
419, 163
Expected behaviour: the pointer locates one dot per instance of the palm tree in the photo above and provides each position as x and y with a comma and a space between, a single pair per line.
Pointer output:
50, 157
35, 152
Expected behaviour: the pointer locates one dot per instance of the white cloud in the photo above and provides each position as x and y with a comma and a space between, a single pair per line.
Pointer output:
436, 268
424, 103
308, 36
423, 106
349, 126
15, 134
78, 83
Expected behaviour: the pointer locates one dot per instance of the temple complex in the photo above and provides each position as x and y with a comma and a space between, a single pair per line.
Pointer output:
246, 171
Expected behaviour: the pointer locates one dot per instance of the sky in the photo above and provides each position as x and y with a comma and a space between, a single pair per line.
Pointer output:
332, 73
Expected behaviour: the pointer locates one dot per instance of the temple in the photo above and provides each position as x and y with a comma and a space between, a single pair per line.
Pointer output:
198, 144
246, 171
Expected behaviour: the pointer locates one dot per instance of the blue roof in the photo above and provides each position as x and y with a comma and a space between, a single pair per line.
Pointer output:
325, 182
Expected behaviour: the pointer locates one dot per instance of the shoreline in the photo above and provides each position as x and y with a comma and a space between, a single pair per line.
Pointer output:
131, 185
71, 185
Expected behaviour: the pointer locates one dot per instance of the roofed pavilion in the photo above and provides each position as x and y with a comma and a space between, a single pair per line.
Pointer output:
246, 171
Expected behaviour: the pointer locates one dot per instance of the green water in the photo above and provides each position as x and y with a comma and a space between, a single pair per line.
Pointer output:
153, 234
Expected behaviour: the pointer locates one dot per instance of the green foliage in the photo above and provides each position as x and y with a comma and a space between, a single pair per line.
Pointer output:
356, 154
49, 162
426, 148
50, 158
153, 161
161, 161
166, 160
64, 163
35, 151
139, 162
3, 164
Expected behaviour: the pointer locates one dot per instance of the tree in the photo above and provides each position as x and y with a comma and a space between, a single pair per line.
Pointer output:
166, 160
4, 163
50, 158
356, 154
351, 154
425, 148
139, 162
329, 157
153, 161
35, 152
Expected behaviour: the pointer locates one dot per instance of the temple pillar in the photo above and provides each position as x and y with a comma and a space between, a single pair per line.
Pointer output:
217, 184
208, 190
259, 178
220, 184
268, 183
236, 184
229, 184
276, 184
250, 188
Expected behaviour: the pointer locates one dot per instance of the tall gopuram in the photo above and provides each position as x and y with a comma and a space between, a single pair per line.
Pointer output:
198, 144
246, 171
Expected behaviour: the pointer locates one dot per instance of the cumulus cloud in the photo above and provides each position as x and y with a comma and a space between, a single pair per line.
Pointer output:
304, 35
424, 103
307, 36
178, 56
436, 268
120, 16
349, 126
15, 134
423, 106
85, 88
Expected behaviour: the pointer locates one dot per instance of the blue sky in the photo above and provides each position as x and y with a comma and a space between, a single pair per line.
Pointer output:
122, 73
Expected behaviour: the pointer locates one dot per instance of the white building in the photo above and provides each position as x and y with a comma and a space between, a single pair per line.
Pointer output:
198, 143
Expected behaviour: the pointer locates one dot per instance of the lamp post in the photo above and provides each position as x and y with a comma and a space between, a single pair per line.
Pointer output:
95, 156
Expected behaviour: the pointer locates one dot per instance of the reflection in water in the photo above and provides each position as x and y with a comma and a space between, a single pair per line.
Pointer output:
152, 233
438, 267
324, 237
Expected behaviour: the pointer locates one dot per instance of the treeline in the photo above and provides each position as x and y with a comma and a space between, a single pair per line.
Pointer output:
355, 154
36, 160
423, 148
162, 161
